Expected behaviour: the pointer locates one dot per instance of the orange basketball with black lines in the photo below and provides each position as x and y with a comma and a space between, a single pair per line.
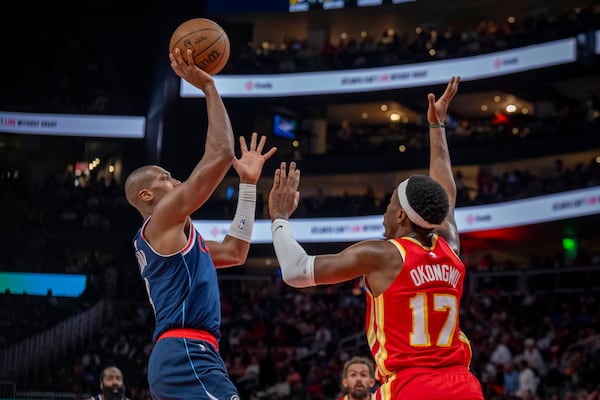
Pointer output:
208, 41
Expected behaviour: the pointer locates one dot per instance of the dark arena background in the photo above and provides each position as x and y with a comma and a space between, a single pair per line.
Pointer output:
87, 95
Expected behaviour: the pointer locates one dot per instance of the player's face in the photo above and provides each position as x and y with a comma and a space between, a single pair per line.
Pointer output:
390, 218
163, 182
358, 381
112, 377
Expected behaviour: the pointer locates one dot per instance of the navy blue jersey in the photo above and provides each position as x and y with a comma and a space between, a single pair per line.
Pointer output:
182, 287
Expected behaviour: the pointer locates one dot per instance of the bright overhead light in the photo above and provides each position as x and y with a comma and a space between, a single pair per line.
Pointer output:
383, 107
511, 108
394, 117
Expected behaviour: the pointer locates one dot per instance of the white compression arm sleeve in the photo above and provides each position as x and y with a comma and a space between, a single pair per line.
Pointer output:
243, 221
297, 267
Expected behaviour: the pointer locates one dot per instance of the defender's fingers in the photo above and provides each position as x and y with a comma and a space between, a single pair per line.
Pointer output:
448, 87
452, 88
291, 172
276, 179
455, 85
431, 99
282, 172
293, 179
297, 179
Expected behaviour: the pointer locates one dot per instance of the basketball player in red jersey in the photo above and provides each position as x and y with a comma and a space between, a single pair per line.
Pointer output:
414, 279
358, 378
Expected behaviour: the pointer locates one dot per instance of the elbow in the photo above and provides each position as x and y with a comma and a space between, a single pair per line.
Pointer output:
233, 260
240, 259
223, 151
226, 155
290, 281
299, 274
241, 251
232, 253
238, 255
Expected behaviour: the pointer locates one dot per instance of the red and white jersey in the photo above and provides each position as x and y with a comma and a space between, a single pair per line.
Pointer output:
414, 323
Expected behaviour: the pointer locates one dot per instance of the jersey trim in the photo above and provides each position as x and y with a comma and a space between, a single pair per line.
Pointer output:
184, 251
399, 247
434, 241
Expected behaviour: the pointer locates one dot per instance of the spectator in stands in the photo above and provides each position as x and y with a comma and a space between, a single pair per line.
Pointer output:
112, 385
502, 353
534, 358
510, 380
358, 378
528, 382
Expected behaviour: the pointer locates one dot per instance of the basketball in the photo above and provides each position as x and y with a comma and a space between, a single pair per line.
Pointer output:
208, 41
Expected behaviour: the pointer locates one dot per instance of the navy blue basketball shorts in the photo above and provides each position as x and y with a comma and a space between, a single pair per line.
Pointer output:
190, 369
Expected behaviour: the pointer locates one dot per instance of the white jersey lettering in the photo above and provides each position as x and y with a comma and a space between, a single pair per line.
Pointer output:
435, 273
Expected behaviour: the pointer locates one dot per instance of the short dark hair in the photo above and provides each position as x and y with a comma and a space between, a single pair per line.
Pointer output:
428, 198
103, 373
359, 360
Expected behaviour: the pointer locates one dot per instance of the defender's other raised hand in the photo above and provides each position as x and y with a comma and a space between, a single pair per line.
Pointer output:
249, 165
436, 113
284, 195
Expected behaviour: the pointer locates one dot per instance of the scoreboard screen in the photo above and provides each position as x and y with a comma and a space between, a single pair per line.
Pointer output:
309, 5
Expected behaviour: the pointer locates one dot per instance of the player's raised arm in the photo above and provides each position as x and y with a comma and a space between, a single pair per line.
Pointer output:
170, 202
299, 269
218, 150
233, 250
440, 166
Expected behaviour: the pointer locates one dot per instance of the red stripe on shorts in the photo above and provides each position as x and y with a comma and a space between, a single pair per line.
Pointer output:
187, 333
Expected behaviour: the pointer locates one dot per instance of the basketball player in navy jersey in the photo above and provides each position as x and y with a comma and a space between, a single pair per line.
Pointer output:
178, 265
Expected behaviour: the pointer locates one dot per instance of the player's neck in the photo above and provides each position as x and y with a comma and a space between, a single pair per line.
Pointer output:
424, 238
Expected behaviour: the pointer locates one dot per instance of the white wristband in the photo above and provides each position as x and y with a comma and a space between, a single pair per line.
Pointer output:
243, 221
297, 268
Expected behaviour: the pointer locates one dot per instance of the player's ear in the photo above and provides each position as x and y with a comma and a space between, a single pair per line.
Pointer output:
145, 195
401, 215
